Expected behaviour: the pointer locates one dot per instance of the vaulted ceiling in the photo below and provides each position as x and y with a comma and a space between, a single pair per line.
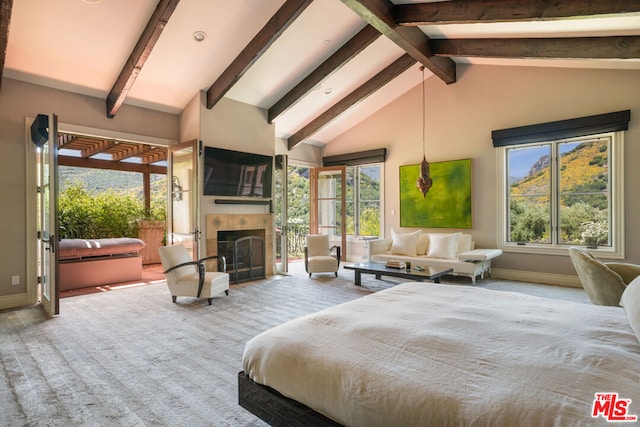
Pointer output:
318, 67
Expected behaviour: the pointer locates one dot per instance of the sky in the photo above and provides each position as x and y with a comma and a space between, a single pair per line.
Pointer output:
521, 159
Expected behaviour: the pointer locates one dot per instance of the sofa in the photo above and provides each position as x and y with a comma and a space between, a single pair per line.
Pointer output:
437, 250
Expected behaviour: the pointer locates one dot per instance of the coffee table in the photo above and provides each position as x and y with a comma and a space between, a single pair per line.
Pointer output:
380, 269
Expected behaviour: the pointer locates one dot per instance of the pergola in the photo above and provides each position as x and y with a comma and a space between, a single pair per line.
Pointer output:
121, 156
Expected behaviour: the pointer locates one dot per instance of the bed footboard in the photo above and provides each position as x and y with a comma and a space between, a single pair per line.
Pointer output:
276, 409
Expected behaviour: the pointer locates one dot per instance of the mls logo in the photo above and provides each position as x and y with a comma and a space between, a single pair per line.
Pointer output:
611, 408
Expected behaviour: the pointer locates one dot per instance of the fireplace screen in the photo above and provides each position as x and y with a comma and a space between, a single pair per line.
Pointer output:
245, 258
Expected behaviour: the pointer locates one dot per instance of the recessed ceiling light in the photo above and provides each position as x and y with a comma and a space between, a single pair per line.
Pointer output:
91, 1
199, 36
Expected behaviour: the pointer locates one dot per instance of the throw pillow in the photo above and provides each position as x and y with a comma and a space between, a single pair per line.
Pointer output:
465, 244
443, 246
423, 244
404, 243
631, 302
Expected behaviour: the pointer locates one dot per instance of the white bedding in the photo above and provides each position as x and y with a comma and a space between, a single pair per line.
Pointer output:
424, 354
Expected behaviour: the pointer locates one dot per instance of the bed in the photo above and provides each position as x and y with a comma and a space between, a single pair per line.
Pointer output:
96, 262
425, 354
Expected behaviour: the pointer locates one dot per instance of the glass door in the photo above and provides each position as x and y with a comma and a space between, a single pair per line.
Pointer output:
48, 219
328, 214
183, 204
280, 213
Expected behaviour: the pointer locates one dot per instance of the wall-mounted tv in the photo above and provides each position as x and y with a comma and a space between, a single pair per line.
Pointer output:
234, 173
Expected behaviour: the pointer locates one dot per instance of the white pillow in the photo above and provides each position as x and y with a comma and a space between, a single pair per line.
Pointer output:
631, 302
404, 243
423, 244
443, 246
464, 243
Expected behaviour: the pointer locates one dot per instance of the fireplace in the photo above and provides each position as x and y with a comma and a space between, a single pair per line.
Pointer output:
238, 226
244, 251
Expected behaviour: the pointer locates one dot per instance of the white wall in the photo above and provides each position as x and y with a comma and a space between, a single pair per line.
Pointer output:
460, 118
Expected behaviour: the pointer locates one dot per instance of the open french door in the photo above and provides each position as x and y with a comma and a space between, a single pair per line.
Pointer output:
47, 219
183, 214
328, 205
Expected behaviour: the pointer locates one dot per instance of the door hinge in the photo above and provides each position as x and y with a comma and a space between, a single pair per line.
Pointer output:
39, 279
38, 189
39, 234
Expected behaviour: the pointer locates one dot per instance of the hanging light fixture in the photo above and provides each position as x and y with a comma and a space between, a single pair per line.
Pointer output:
424, 182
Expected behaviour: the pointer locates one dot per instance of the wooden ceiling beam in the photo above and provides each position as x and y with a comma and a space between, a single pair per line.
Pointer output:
379, 14
64, 139
478, 11
97, 147
385, 76
348, 51
157, 156
132, 151
618, 47
5, 21
139, 55
110, 165
278, 23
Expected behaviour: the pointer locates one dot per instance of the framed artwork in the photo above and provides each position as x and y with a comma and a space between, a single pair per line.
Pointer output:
448, 202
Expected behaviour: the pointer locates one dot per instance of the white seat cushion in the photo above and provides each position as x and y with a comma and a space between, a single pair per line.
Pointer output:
322, 264
480, 254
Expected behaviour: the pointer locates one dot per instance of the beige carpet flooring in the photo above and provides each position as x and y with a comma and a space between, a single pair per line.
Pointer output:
133, 358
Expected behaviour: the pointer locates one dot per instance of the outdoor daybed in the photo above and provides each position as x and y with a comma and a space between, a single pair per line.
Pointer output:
423, 354
97, 262
437, 250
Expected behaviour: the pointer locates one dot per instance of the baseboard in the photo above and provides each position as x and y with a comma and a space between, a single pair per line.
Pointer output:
13, 301
536, 277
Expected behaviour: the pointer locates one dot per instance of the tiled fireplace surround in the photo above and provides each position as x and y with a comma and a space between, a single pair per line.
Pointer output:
237, 222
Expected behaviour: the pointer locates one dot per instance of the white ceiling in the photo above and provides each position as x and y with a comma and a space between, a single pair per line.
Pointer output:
82, 45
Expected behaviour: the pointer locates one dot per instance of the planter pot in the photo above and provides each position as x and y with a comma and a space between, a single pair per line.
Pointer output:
152, 233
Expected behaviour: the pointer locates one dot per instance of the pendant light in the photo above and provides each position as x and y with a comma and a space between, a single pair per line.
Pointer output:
424, 182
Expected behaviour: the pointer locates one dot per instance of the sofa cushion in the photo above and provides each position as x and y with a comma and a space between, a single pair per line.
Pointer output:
423, 244
479, 254
443, 245
404, 243
464, 242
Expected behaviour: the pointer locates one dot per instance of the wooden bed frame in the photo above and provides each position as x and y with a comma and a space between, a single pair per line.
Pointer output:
276, 409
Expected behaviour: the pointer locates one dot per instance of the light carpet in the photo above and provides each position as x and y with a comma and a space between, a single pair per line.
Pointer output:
133, 358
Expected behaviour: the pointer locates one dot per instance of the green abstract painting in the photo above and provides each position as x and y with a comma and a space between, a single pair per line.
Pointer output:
448, 202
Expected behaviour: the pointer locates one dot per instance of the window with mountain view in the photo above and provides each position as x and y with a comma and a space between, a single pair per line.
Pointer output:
561, 193
363, 200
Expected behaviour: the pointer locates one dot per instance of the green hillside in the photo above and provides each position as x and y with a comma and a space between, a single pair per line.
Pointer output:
98, 180
588, 165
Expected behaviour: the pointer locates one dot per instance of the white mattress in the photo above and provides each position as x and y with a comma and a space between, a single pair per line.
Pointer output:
423, 354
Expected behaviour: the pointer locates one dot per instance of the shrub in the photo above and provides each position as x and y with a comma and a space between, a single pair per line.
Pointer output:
106, 214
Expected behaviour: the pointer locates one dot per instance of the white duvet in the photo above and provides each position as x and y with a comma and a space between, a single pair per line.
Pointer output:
423, 354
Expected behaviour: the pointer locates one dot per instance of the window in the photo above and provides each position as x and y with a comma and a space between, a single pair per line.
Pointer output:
364, 199
559, 193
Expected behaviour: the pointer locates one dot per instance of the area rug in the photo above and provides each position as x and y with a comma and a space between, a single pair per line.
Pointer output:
134, 358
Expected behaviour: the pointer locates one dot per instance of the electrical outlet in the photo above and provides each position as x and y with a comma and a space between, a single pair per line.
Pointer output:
15, 280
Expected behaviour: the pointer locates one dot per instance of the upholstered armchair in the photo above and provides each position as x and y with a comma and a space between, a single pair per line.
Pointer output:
319, 256
604, 283
186, 277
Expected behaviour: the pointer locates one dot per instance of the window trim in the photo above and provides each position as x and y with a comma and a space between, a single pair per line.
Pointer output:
617, 249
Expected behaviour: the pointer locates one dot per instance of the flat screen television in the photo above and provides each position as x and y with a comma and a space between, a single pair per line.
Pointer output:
235, 173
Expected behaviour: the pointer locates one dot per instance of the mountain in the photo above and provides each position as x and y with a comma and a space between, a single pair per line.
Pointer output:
99, 180
589, 171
